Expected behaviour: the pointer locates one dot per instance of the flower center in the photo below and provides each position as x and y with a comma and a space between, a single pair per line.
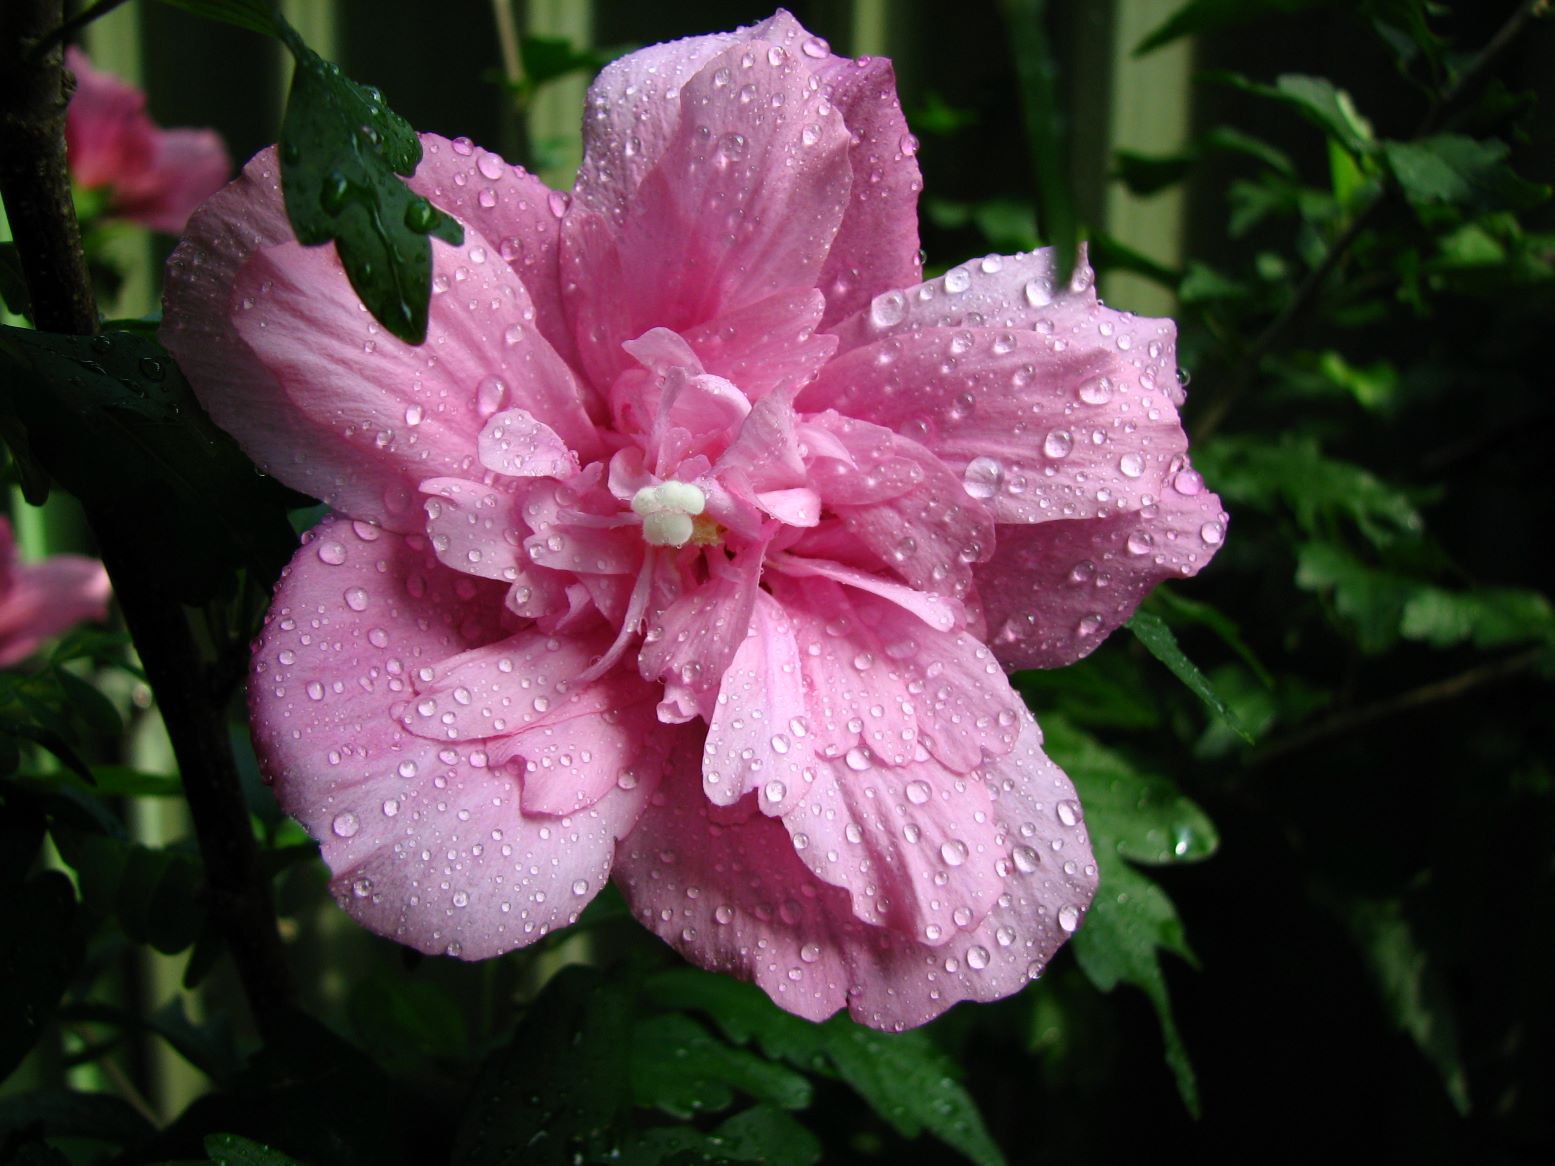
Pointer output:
668, 511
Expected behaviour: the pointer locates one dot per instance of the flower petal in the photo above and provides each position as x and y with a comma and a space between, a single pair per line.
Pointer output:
759, 913
509, 206
742, 204
373, 410
1053, 591
427, 841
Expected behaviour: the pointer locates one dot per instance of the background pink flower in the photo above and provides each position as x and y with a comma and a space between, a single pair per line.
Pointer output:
41, 600
692, 548
156, 177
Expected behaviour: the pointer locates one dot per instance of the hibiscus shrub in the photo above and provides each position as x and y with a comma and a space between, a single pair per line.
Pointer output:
743, 672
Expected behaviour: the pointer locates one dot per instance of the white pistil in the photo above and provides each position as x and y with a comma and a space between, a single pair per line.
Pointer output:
667, 510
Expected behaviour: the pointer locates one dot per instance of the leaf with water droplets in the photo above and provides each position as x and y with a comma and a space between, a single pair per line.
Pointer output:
232, 1150
557, 1090
1151, 631
681, 1068
1130, 921
1142, 816
342, 152
910, 1083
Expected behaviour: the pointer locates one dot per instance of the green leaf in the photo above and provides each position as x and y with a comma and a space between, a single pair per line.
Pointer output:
909, 1082
742, 1012
38, 958
681, 1068
255, 15
342, 151
1317, 99
155, 894
1197, 612
394, 1015
554, 1094
1161, 642
1417, 997
232, 1150
1371, 600
1294, 473
760, 1136
13, 285
1131, 921
1142, 816
1489, 617
1460, 171
112, 418
1036, 68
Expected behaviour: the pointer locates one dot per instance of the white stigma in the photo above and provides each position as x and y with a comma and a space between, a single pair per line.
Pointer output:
667, 510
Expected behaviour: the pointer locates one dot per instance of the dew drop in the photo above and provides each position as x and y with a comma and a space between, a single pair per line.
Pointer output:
345, 825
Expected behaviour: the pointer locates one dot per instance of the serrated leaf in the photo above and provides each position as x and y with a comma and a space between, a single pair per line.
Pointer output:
1315, 488
681, 1068
342, 154
112, 418
743, 1013
1460, 171
232, 1150
558, 1088
1142, 816
1129, 923
1489, 617
1370, 599
1161, 642
909, 1082
255, 15
1415, 994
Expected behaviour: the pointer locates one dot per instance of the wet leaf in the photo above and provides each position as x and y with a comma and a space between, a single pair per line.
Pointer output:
232, 1150
1140, 815
1129, 924
342, 154
1161, 642
681, 1068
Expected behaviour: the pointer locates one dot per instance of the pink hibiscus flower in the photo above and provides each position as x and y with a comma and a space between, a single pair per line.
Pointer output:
155, 177
693, 547
41, 600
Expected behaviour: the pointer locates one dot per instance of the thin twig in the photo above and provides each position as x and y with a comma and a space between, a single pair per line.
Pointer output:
1436, 692
68, 29
121, 1081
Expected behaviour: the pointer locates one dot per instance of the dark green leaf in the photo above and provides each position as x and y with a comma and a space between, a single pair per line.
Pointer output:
760, 1136
681, 1068
1161, 642
1036, 67
114, 420
910, 1083
1460, 171
232, 1150
1317, 99
1130, 922
98, 1117
342, 152
557, 1090
1372, 600
1139, 815
13, 285
255, 15
38, 957
1416, 995
394, 1015
95, 709
743, 1012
